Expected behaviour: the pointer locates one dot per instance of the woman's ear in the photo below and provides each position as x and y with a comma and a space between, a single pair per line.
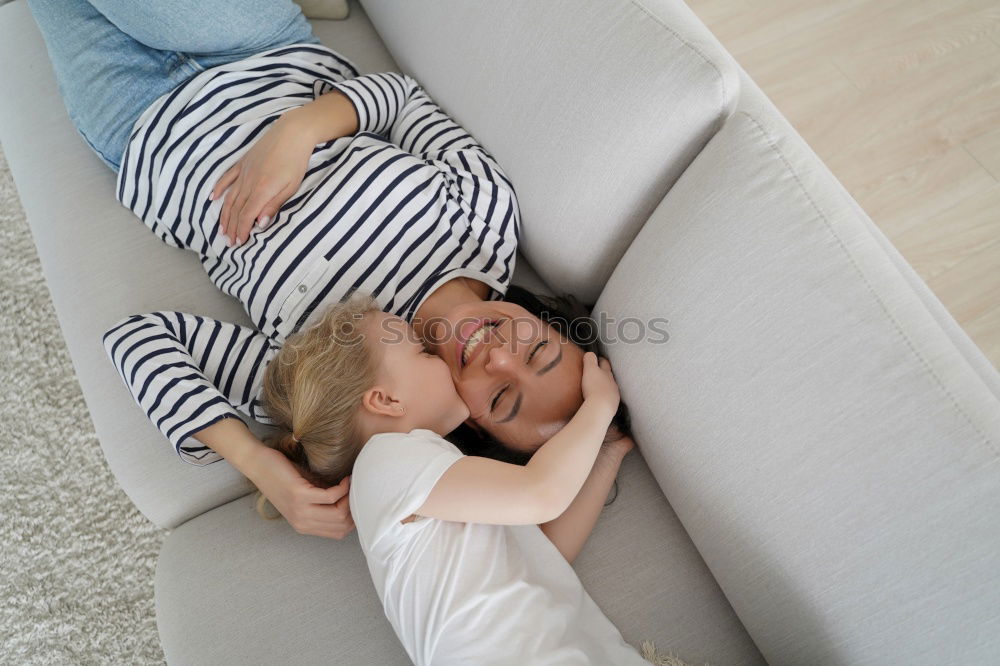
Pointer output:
378, 401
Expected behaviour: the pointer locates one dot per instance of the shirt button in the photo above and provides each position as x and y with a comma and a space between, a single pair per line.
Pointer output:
302, 288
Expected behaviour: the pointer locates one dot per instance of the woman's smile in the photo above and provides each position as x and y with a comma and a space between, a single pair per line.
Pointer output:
470, 337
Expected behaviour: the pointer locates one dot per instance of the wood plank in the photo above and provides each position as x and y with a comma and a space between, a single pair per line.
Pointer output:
774, 22
919, 191
923, 37
715, 11
855, 25
986, 149
921, 114
971, 288
940, 242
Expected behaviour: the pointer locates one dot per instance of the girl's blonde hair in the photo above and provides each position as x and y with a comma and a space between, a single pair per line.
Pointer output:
312, 392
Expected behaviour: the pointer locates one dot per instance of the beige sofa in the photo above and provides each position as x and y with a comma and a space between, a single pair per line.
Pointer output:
819, 476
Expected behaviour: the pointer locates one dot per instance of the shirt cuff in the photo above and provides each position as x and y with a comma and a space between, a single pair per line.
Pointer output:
359, 99
193, 451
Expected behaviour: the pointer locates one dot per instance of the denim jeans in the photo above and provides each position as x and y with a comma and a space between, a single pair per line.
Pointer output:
113, 58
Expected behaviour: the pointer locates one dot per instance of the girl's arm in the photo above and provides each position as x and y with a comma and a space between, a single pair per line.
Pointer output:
483, 490
569, 532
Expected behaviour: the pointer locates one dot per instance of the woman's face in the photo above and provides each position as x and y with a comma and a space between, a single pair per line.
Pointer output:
519, 378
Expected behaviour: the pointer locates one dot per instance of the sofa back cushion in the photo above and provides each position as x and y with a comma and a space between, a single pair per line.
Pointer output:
593, 110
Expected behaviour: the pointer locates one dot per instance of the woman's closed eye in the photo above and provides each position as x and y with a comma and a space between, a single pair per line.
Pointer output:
493, 405
506, 388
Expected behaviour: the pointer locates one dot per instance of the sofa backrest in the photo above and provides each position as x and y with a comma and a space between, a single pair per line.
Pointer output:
593, 119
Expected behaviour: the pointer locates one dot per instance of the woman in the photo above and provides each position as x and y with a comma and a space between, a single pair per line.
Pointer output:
224, 114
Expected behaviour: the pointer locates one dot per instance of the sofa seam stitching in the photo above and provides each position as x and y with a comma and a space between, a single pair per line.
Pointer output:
720, 121
868, 284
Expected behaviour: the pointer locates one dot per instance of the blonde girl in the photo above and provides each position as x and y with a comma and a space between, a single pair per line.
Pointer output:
453, 543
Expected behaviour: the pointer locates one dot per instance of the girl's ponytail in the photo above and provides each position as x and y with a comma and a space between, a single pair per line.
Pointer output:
316, 382
291, 446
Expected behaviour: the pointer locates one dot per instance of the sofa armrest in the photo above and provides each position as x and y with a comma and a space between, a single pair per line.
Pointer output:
831, 447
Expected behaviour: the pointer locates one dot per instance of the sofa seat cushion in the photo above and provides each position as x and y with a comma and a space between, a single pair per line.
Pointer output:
592, 109
232, 587
830, 449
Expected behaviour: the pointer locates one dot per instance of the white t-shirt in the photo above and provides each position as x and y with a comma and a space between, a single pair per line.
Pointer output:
468, 593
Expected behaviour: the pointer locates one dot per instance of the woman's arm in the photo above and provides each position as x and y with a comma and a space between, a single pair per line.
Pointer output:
569, 532
231, 439
483, 490
329, 116
167, 360
387, 103
187, 372
272, 170
324, 512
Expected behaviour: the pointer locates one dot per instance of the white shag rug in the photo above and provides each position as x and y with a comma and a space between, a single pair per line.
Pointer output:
76, 557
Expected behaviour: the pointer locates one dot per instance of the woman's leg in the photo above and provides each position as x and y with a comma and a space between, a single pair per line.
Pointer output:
108, 77
210, 32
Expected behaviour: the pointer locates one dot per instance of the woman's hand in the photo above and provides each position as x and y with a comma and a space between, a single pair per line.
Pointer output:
619, 448
598, 382
308, 509
264, 178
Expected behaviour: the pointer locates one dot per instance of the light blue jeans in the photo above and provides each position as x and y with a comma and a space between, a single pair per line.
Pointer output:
113, 58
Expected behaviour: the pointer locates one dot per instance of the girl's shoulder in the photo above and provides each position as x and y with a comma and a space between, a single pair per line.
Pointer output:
418, 439
402, 451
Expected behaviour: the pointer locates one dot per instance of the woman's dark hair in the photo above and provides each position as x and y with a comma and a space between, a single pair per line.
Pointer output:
572, 319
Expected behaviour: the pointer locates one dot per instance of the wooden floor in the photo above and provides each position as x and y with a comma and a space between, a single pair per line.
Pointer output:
901, 100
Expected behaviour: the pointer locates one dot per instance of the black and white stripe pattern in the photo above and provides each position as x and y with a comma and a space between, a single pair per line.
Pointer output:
396, 210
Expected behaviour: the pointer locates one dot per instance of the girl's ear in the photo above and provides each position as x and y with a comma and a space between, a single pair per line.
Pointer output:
378, 401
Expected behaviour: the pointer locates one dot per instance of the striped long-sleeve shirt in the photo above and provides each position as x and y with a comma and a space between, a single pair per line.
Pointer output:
407, 203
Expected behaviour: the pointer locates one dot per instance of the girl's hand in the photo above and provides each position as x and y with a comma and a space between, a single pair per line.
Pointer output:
308, 509
263, 179
598, 382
